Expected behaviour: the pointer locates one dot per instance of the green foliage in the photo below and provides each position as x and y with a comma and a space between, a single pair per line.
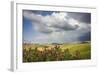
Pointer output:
67, 55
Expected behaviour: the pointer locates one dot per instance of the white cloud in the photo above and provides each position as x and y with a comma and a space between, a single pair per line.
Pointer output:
58, 27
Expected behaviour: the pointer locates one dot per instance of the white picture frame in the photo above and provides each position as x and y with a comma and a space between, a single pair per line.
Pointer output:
16, 49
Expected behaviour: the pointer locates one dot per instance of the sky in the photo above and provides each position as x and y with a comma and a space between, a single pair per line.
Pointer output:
56, 26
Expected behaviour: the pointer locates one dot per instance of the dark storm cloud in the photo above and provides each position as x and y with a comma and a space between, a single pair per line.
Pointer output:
65, 26
82, 17
85, 37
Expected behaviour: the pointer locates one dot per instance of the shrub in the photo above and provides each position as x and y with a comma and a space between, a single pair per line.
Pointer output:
77, 55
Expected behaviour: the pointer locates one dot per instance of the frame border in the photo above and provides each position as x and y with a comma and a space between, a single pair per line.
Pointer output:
14, 28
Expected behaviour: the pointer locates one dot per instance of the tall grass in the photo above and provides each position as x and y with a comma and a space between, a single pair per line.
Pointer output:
53, 54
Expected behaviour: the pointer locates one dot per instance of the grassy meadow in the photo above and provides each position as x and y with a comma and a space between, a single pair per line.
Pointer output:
56, 52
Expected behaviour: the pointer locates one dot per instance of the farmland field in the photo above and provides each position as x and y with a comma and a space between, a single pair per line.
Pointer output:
56, 52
